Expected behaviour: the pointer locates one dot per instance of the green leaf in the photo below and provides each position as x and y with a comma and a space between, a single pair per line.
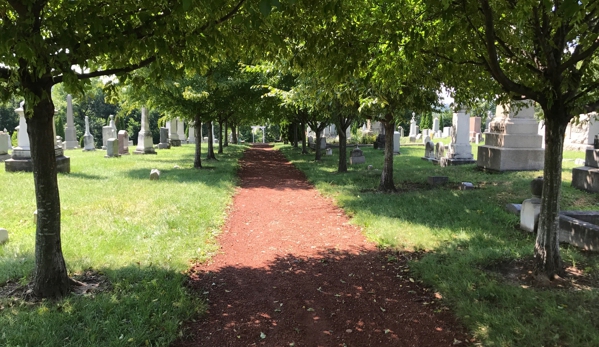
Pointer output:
265, 7
186, 5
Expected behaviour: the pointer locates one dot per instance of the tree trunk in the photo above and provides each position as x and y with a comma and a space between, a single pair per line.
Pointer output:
343, 125
387, 184
303, 135
295, 141
197, 162
50, 278
234, 134
318, 154
220, 137
226, 134
210, 155
548, 261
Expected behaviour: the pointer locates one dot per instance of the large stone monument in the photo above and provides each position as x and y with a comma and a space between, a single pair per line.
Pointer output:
413, 128
191, 130
69, 131
88, 138
123, 142
108, 132
145, 144
459, 151
21, 155
173, 136
474, 128
587, 177
513, 142
581, 132
181, 131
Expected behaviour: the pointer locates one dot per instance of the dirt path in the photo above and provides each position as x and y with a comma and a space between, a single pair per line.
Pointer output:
293, 272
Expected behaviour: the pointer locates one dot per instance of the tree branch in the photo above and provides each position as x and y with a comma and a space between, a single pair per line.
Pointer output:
225, 17
19, 7
493, 59
108, 72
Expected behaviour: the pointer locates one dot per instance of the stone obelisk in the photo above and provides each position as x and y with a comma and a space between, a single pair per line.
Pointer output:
145, 145
69, 132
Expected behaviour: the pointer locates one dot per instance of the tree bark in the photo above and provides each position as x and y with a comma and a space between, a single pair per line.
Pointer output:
197, 162
343, 124
547, 257
234, 134
295, 142
220, 137
318, 152
226, 134
210, 155
387, 184
50, 278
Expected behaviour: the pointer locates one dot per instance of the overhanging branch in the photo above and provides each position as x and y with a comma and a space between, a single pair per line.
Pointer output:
225, 17
109, 72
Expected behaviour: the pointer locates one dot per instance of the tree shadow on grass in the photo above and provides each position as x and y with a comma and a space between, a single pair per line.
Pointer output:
87, 176
359, 298
144, 306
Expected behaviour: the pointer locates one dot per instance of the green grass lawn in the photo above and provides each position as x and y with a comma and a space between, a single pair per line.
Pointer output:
141, 234
464, 233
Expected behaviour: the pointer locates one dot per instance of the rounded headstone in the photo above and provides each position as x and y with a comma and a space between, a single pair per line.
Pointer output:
536, 187
3, 235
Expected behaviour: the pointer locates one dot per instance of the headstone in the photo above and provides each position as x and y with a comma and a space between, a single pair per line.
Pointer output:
329, 151
69, 131
400, 130
466, 186
474, 128
459, 151
192, 133
439, 150
123, 142
437, 180
9, 141
426, 132
112, 148
310, 140
531, 208
173, 135
587, 177
21, 155
154, 175
145, 144
88, 138
164, 143
439, 134
426, 139
429, 150
108, 132
380, 142
3, 236
396, 141
446, 132
413, 131
356, 156
181, 130
580, 132
323, 142
4, 143
488, 121
513, 142
436, 124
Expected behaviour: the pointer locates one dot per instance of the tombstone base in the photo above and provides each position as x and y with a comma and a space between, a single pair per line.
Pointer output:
175, 143
145, 151
88, 149
72, 144
357, 160
112, 156
443, 162
164, 146
3, 157
510, 159
586, 178
63, 165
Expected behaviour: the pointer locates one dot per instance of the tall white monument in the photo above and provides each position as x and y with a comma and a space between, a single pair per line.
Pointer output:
145, 144
459, 151
181, 131
88, 138
69, 131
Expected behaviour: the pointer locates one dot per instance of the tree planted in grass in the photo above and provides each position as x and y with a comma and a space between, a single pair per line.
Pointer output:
41, 42
544, 51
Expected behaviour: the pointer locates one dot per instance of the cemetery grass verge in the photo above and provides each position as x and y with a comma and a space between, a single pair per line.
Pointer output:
140, 235
467, 240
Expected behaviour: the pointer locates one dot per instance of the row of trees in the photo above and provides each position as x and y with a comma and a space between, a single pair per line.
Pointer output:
332, 62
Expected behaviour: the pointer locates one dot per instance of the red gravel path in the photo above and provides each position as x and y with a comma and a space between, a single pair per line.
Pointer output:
293, 272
